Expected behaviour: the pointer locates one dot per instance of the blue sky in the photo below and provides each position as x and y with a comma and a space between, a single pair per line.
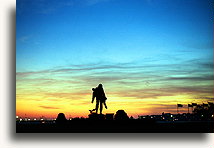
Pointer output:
161, 48
57, 33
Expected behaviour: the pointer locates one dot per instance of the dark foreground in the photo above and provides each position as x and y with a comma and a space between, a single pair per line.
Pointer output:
113, 126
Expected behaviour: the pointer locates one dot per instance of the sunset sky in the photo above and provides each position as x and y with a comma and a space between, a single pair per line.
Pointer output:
148, 54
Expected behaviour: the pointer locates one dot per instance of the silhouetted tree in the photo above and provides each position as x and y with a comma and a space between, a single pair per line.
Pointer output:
121, 115
61, 118
204, 111
131, 118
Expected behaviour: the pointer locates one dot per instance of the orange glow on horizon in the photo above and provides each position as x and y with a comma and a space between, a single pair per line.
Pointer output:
50, 107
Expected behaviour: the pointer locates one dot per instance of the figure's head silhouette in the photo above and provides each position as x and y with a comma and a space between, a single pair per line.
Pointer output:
100, 86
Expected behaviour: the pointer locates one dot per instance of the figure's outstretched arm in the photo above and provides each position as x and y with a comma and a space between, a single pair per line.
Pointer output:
104, 95
93, 96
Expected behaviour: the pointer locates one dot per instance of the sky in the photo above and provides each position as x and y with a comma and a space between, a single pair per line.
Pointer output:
149, 55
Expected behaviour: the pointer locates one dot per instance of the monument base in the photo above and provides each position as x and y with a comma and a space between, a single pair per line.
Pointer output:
94, 116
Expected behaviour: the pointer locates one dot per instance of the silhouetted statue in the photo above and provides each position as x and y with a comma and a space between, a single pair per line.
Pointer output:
121, 115
61, 118
99, 94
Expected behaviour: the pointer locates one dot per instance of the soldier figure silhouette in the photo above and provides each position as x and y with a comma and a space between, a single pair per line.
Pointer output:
99, 93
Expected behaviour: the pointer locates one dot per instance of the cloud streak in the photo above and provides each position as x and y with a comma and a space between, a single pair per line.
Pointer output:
46, 7
125, 74
49, 107
142, 84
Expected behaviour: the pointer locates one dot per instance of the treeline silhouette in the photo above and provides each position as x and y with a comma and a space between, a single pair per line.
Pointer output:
200, 121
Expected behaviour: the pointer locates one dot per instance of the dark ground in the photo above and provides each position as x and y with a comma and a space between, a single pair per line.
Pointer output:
113, 126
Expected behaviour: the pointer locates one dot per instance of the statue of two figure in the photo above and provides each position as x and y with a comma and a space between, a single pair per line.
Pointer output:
99, 94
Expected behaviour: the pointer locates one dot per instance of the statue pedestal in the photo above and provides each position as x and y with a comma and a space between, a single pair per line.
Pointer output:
94, 116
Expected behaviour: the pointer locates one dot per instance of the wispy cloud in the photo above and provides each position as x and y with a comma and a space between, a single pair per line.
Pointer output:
42, 6
188, 66
49, 107
201, 78
50, 7
199, 45
138, 81
123, 74
164, 91
24, 38
93, 2
71, 96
